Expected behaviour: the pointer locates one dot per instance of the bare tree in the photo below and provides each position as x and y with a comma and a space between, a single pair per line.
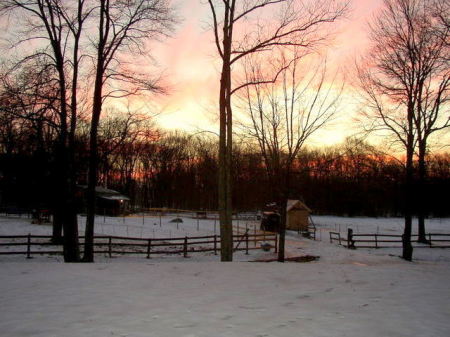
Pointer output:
118, 131
283, 115
60, 25
31, 92
297, 24
405, 81
121, 26
29, 99
432, 54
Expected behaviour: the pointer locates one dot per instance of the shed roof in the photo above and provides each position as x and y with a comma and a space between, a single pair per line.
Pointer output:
114, 197
106, 193
296, 204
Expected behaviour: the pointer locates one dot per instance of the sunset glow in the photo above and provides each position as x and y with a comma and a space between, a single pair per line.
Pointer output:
192, 70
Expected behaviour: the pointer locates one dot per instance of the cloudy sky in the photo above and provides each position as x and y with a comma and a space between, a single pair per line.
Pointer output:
192, 69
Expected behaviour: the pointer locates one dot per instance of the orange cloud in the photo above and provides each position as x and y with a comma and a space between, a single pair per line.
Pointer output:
192, 68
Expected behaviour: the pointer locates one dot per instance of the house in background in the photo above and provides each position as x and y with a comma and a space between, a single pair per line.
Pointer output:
297, 215
109, 202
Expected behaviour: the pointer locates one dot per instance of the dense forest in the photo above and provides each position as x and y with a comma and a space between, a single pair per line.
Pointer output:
178, 170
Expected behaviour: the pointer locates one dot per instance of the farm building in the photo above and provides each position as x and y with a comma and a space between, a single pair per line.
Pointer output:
109, 202
297, 215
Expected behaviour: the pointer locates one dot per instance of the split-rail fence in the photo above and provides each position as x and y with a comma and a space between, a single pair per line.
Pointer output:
108, 245
376, 240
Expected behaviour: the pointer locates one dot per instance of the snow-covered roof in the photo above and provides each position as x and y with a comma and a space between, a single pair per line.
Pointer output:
297, 204
106, 193
114, 197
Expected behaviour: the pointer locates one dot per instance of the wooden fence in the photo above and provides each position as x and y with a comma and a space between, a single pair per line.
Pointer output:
435, 240
115, 245
195, 214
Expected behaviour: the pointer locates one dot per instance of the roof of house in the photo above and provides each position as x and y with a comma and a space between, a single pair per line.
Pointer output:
114, 197
296, 204
106, 193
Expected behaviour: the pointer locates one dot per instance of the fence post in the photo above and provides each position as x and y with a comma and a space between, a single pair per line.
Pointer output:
350, 241
331, 237
110, 246
349, 237
149, 247
276, 243
255, 235
215, 244
185, 246
339, 236
246, 243
376, 241
29, 246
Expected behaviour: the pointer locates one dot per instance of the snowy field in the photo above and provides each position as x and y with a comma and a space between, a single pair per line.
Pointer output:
145, 226
363, 225
362, 292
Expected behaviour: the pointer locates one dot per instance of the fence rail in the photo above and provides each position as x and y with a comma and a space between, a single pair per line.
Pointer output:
376, 240
118, 245
195, 214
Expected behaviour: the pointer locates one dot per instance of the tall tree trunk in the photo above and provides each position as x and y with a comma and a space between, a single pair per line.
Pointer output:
409, 170
226, 229
421, 207
285, 182
282, 202
70, 223
93, 164
71, 219
60, 192
225, 144
65, 216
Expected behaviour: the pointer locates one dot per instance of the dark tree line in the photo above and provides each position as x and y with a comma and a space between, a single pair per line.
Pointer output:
176, 170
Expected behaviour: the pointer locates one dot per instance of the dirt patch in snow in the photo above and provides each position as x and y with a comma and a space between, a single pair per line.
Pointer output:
302, 258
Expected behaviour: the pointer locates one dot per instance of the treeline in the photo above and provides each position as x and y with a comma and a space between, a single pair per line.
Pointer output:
178, 170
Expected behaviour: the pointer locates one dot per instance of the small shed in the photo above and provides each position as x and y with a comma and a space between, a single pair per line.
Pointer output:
109, 202
297, 215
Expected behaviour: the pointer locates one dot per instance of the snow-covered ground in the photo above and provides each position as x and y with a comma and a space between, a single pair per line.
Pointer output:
145, 226
345, 293
376, 225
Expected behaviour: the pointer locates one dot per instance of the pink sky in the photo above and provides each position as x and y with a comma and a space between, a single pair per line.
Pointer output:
192, 68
